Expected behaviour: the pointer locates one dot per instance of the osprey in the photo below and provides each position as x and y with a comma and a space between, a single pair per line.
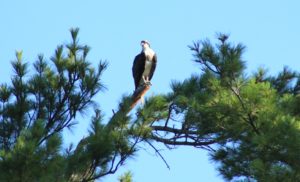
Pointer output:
144, 65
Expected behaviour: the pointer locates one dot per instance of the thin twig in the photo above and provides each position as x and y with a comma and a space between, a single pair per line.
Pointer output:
157, 151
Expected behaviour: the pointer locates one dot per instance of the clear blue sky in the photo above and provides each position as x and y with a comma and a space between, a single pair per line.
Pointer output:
269, 28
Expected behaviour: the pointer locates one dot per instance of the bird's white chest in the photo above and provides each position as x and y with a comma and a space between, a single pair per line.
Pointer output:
149, 53
148, 65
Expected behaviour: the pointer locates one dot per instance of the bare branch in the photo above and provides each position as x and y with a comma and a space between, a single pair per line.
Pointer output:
186, 143
173, 130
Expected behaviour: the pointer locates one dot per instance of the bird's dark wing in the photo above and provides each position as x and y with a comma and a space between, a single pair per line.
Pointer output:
154, 62
138, 68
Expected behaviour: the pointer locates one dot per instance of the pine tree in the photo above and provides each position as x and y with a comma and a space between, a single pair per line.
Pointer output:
249, 124
37, 106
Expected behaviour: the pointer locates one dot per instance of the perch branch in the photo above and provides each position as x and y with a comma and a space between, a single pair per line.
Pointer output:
138, 94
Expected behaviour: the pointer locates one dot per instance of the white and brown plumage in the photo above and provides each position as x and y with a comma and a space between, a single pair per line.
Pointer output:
144, 65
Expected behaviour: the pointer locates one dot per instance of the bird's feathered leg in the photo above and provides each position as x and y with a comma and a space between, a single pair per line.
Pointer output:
146, 81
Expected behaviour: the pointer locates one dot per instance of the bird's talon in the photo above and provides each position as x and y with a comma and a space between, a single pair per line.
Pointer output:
148, 83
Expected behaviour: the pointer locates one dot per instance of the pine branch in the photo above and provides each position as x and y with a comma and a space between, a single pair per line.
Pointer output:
183, 143
114, 166
250, 118
173, 130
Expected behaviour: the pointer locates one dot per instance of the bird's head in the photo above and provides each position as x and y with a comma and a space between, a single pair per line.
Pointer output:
145, 44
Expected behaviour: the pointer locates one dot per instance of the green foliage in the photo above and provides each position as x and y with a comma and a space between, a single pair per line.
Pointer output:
250, 125
35, 109
126, 177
